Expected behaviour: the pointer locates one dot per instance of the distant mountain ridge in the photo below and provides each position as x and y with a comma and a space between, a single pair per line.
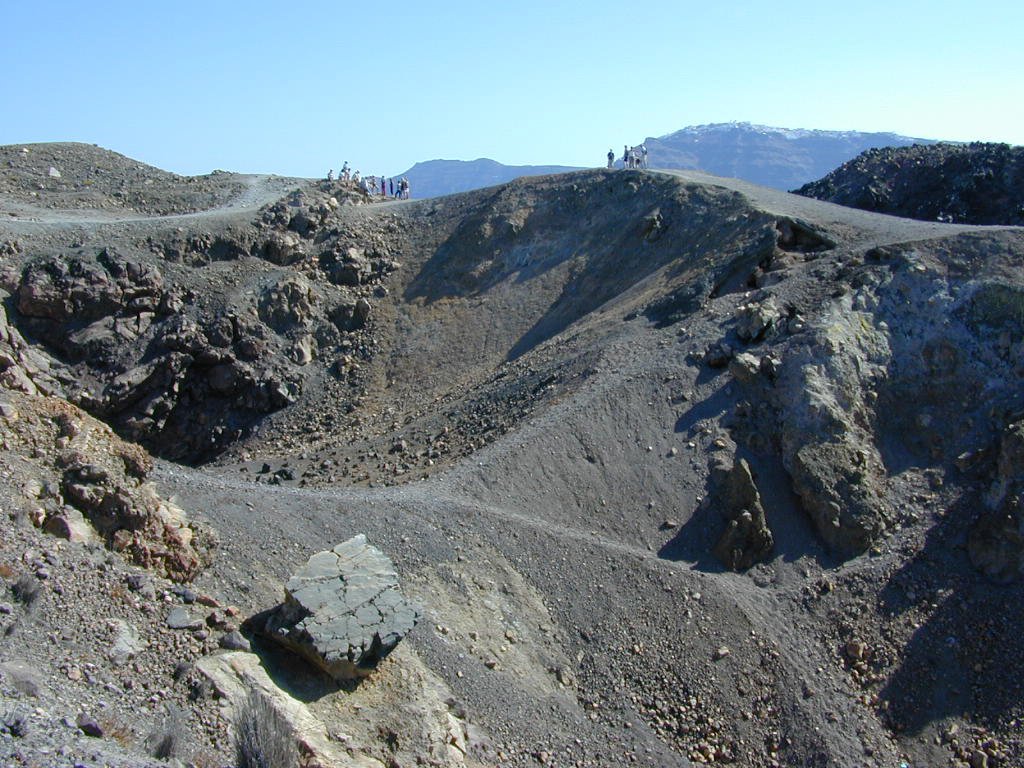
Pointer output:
434, 178
783, 158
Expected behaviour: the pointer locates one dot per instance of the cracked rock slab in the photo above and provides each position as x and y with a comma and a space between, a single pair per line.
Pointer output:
343, 610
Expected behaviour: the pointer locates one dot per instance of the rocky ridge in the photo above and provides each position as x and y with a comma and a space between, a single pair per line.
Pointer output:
976, 183
83, 176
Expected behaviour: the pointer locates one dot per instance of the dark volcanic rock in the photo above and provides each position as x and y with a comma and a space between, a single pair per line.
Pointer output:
286, 304
975, 183
343, 610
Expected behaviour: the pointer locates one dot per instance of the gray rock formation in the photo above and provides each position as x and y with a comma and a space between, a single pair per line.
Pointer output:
746, 539
343, 610
832, 458
755, 320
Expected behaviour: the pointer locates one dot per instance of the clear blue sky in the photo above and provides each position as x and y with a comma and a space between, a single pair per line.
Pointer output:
297, 87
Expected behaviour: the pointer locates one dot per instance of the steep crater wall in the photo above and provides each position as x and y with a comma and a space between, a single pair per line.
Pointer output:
531, 258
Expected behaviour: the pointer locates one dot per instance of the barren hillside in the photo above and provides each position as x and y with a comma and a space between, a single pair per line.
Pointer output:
679, 469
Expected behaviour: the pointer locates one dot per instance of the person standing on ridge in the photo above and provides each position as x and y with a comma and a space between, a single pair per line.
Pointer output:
611, 159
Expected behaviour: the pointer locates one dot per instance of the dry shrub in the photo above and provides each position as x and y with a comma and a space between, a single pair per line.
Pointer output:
26, 589
118, 731
262, 737
119, 594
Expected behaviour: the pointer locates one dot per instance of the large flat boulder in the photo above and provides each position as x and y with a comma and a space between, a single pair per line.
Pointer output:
343, 610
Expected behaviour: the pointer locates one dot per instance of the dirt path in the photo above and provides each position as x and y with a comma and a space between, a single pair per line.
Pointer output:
260, 190
862, 225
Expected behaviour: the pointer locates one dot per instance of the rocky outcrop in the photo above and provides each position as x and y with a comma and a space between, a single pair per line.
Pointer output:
287, 303
343, 610
134, 344
23, 368
908, 359
89, 485
75, 289
183, 387
747, 539
283, 248
996, 542
973, 183
239, 677
809, 402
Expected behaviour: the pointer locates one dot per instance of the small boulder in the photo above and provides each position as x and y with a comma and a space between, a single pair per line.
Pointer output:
283, 248
234, 641
87, 724
71, 524
180, 618
303, 351
361, 313
754, 321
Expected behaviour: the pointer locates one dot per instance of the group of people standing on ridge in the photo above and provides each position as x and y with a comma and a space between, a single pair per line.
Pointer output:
632, 157
374, 185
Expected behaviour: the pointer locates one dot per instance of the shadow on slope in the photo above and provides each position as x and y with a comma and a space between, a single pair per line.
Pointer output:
792, 531
965, 653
